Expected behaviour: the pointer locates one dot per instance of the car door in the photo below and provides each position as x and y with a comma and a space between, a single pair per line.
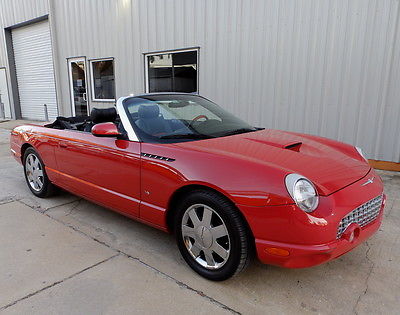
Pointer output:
104, 170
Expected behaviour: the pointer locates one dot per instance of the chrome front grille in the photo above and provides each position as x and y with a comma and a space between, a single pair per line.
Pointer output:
362, 215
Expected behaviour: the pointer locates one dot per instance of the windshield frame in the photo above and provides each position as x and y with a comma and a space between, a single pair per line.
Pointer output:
134, 132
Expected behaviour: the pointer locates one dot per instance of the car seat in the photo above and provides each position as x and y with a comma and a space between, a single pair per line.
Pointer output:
100, 115
151, 122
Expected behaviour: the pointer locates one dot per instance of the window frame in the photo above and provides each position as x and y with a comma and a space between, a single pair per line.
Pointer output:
70, 83
91, 62
164, 52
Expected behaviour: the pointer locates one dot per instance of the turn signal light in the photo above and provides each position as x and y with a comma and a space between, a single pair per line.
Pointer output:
277, 251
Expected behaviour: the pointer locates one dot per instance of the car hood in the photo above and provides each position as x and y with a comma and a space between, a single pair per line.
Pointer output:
331, 165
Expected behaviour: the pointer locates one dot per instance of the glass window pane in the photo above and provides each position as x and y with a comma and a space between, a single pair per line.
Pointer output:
166, 118
174, 72
160, 73
79, 87
103, 77
185, 71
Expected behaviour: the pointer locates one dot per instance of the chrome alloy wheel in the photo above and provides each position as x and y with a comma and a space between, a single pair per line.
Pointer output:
34, 172
205, 236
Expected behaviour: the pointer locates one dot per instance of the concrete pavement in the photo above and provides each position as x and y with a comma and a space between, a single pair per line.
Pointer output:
92, 260
35, 247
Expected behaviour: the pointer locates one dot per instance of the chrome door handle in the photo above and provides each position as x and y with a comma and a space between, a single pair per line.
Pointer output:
84, 96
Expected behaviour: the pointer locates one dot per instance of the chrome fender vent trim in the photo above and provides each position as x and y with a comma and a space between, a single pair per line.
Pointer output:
157, 157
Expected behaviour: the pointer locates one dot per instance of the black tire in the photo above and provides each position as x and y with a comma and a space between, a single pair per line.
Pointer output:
239, 239
47, 189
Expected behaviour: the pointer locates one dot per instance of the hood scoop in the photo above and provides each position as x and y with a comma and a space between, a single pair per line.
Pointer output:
329, 164
295, 146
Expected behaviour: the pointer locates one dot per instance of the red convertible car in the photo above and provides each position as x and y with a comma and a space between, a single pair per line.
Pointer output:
226, 189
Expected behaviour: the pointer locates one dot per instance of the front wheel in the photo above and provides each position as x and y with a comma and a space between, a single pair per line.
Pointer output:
35, 174
212, 236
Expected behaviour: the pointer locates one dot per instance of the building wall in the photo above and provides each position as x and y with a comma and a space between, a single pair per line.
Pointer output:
13, 12
329, 68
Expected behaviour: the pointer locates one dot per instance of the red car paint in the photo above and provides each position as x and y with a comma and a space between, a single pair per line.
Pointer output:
107, 129
248, 168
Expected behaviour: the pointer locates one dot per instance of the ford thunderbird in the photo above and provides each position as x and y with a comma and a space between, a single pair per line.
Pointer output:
226, 189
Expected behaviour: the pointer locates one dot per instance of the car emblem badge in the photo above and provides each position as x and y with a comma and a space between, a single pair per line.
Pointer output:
369, 181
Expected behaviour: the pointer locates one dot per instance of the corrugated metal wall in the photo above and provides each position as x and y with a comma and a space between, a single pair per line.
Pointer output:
329, 68
13, 12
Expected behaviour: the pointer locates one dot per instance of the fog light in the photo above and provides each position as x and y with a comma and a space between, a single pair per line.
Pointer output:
277, 251
352, 232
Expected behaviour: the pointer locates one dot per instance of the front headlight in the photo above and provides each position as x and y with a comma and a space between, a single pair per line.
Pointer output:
360, 151
302, 192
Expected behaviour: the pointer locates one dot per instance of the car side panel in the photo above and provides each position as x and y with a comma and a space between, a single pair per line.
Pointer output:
43, 143
161, 178
106, 170
103, 170
16, 142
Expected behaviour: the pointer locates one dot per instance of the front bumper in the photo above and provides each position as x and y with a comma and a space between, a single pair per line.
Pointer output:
287, 236
301, 256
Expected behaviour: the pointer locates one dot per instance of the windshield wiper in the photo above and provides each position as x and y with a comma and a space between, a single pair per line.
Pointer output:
238, 131
187, 136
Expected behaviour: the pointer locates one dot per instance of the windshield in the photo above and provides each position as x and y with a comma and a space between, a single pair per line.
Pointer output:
180, 117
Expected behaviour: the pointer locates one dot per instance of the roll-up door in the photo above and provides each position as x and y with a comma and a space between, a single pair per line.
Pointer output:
35, 72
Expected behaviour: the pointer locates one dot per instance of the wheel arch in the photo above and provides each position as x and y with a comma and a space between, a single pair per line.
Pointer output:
184, 190
23, 149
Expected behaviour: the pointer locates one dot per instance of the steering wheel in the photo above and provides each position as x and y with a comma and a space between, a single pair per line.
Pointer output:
195, 119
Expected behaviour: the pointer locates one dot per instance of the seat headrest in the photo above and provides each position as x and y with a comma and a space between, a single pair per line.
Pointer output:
99, 115
148, 111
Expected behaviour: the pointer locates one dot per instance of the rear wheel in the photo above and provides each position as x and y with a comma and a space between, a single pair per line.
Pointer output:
212, 236
35, 174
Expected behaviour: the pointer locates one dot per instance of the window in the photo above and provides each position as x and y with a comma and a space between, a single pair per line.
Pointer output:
167, 118
103, 88
172, 71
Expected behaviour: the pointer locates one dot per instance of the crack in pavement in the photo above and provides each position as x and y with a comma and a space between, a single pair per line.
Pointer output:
78, 202
363, 293
6, 200
43, 210
119, 252
57, 282
182, 284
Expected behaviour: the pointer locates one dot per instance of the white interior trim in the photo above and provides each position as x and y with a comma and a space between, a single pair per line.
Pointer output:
125, 120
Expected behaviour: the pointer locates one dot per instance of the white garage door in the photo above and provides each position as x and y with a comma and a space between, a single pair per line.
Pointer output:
35, 73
